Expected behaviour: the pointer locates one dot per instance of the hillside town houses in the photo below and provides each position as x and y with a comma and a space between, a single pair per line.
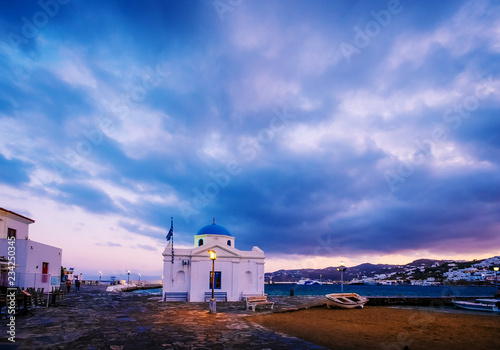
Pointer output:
447, 271
475, 273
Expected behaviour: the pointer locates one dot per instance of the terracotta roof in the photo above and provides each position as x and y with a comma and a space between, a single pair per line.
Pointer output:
22, 216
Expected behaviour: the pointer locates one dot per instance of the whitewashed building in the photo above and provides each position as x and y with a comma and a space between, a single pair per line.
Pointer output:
37, 265
237, 273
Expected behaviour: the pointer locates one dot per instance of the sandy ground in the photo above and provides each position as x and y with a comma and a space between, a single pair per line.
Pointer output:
388, 328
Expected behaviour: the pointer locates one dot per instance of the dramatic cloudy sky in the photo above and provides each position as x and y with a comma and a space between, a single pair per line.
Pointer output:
319, 131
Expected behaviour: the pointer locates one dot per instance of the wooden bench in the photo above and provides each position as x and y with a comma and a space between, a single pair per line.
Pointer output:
175, 296
252, 302
218, 296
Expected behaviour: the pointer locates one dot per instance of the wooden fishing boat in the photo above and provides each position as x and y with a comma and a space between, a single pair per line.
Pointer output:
345, 300
492, 305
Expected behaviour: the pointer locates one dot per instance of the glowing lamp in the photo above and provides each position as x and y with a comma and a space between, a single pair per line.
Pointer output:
213, 255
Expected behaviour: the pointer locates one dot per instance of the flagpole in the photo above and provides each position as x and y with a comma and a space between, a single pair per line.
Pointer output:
172, 265
172, 228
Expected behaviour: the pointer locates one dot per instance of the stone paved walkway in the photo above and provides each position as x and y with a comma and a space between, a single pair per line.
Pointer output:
94, 319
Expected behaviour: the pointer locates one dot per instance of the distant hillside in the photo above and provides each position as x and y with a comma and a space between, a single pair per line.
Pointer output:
426, 262
331, 273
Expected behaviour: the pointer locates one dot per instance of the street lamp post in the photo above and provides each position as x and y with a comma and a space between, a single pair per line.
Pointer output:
496, 278
128, 277
100, 277
341, 268
212, 307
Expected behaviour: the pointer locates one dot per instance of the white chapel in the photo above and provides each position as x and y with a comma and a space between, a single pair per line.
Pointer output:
187, 276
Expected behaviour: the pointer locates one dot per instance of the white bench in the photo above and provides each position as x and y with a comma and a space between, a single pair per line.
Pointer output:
175, 296
218, 296
253, 302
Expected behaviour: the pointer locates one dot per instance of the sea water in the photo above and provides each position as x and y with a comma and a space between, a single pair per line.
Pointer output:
383, 291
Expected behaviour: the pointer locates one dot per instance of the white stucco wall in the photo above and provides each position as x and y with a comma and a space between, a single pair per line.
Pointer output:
39, 253
180, 281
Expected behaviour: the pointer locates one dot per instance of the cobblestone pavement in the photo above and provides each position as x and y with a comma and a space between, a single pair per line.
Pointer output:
95, 319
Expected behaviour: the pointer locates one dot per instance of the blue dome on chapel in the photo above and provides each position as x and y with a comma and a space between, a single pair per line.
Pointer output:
213, 229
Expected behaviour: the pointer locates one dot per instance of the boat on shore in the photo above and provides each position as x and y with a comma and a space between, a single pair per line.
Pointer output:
308, 282
370, 282
367, 281
491, 305
345, 300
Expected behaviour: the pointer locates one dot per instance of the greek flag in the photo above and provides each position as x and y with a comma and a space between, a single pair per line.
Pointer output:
170, 236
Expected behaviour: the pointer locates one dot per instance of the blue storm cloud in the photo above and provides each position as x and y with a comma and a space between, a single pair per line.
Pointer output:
13, 171
337, 127
87, 197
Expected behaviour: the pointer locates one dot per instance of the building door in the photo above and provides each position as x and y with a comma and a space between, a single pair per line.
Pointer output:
45, 272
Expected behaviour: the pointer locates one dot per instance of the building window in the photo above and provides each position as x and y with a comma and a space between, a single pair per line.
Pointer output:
11, 233
200, 242
217, 280
229, 242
